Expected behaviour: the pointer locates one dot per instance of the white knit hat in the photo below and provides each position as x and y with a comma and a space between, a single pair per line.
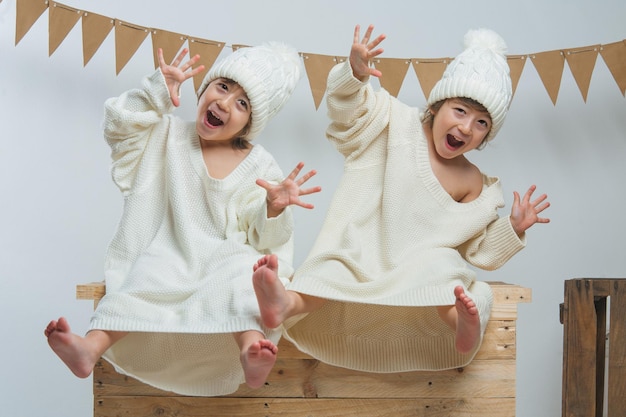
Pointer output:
268, 73
480, 72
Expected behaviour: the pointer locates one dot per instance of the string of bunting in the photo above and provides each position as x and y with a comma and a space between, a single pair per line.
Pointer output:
129, 37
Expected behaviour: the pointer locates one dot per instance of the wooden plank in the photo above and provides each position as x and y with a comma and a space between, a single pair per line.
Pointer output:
617, 351
579, 350
503, 293
309, 407
309, 378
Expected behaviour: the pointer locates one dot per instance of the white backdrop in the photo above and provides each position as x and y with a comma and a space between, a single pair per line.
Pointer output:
59, 207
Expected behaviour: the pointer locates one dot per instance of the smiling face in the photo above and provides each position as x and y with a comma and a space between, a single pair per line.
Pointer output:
459, 126
224, 111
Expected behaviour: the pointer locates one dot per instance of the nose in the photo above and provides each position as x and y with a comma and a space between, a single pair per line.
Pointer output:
225, 102
466, 127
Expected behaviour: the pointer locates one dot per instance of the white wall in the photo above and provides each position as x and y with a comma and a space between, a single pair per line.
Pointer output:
59, 207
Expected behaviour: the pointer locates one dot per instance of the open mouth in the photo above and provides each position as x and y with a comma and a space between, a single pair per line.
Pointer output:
453, 142
212, 119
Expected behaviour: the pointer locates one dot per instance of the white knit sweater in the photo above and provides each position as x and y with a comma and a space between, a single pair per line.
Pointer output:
394, 243
179, 268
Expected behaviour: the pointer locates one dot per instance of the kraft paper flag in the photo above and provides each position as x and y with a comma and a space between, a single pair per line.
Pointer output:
614, 56
581, 62
429, 71
62, 20
170, 42
394, 71
317, 68
516, 65
26, 14
128, 38
208, 51
550, 65
95, 30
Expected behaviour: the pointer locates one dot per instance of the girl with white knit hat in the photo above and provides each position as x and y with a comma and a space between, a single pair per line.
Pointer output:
201, 204
387, 286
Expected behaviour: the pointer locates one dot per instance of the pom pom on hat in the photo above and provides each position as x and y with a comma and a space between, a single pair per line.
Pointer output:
480, 72
268, 73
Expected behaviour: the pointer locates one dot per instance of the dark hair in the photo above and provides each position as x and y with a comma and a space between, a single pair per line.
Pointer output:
428, 117
238, 142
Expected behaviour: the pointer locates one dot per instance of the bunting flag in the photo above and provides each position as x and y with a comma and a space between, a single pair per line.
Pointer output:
550, 65
394, 71
429, 71
317, 68
129, 37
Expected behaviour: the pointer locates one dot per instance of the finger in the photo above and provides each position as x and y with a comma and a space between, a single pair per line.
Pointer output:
306, 177
294, 173
304, 205
357, 30
263, 184
530, 192
368, 34
176, 62
160, 57
311, 190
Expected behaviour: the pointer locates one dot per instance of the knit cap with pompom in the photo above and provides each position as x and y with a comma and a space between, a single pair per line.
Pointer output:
480, 72
268, 73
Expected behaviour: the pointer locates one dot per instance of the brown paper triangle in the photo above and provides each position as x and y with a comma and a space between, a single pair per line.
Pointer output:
61, 21
317, 68
170, 42
394, 71
614, 56
208, 51
95, 30
128, 38
516, 65
549, 66
429, 71
26, 14
581, 62
236, 46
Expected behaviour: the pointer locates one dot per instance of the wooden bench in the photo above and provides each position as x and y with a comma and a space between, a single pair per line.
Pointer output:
302, 386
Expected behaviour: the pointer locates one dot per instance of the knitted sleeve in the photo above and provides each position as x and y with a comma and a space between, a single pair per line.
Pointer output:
130, 122
494, 246
358, 114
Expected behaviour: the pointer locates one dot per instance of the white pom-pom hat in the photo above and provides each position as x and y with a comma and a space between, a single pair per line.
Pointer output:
268, 73
480, 72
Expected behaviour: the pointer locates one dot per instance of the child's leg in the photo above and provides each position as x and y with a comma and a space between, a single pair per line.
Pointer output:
275, 302
257, 356
463, 318
79, 353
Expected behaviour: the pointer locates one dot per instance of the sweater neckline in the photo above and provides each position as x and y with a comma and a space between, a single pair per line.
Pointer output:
435, 188
240, 172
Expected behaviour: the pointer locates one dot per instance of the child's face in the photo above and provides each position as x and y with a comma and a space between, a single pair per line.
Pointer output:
223, 111
458, 128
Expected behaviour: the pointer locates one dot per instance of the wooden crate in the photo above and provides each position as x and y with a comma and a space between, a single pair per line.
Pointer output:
302, 386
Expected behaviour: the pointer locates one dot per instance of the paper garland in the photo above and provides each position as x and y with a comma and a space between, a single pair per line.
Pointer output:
129, 37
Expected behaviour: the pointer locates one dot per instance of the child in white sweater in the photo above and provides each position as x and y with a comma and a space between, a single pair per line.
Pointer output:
201, 204
387, 286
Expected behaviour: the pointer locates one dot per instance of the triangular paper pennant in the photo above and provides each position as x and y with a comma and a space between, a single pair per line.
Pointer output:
236, 46
128, 38
394, 71
61, 21
26, 14
317, 68
95, 30
581, 62
429, 71
549, 66
516, 65
170, 42
614, 56
208, 51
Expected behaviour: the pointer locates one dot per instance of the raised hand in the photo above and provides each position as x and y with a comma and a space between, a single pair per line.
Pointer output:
175, 74
288, 192
362, 53
525, 213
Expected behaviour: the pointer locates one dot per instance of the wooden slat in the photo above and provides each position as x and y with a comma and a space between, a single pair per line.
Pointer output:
308, 407
617, 351
312, 379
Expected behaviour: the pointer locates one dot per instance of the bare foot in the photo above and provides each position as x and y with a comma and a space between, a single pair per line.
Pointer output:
257, 362
468, 322
73, 350
270, 292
